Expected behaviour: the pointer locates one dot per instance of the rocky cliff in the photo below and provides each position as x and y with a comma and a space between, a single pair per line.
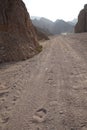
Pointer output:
81, 25
18, 40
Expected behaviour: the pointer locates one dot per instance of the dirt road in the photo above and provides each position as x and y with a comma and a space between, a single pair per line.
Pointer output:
49, 91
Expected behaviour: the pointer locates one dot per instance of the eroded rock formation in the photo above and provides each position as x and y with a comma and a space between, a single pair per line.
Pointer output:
18, 40
81, 25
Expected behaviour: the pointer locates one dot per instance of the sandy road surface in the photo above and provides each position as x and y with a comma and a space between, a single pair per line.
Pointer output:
49, 91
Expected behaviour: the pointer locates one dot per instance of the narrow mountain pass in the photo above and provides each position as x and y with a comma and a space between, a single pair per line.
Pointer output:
47, 92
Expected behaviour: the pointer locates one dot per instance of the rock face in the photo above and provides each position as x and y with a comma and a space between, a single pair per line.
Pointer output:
18, 40
81, 25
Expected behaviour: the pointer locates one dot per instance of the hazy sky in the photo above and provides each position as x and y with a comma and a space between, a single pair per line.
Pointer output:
55, 9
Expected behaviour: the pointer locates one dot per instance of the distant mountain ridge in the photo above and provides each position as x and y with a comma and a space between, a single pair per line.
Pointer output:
44, 24
50, 27
60, 26
35, 17
73, 22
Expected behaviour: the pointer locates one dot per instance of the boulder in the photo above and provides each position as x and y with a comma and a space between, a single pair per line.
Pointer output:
81, 25
18, 40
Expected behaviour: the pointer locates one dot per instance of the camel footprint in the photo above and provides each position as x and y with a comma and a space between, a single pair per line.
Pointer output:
40, 115
3, 90
4, 118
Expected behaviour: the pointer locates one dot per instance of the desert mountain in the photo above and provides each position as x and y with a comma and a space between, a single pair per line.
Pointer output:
18, 40
73, 22
50, 27
81, 25
61, 26
43, 24
35, 17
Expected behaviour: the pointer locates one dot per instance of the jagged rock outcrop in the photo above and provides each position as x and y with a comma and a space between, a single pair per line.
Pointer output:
18, 40
81, 25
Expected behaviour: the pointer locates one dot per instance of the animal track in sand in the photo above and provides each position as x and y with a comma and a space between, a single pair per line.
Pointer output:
3, 87
3, 90
40, 115
84, 128
4, 118
2, 93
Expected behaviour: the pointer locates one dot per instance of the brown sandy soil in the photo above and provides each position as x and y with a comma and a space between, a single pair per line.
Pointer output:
49, 91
